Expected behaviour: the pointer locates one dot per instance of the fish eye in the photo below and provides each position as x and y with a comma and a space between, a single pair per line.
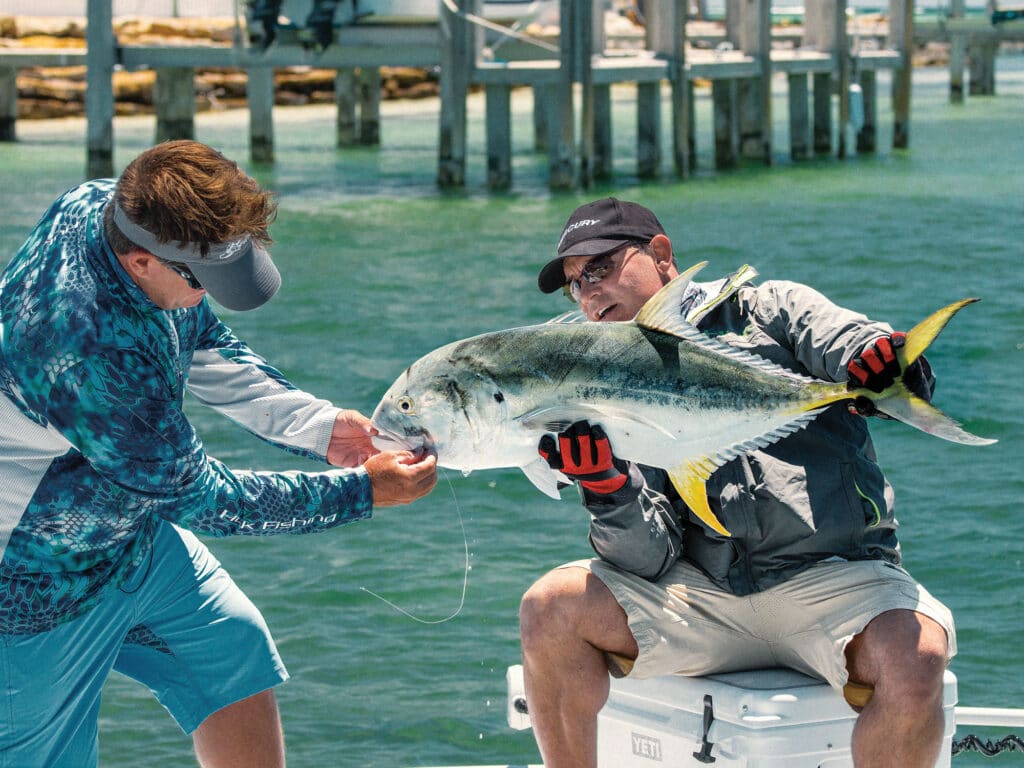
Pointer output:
405, 405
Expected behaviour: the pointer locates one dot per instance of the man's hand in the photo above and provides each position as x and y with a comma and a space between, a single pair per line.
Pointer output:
876, 368
399, 477
584, 454
350, 442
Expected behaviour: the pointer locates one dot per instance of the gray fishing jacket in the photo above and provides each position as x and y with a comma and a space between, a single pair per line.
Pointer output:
817, 494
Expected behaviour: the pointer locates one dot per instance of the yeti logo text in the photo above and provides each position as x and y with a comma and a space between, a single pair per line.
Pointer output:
646, 746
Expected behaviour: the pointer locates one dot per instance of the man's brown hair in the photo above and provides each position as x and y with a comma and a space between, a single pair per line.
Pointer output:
189, 192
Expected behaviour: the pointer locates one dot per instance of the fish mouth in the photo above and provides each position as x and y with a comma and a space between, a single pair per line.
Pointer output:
386, 440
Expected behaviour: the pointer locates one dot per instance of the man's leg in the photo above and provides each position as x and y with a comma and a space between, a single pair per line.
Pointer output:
568, 619
206, 652
246, 734
903, 655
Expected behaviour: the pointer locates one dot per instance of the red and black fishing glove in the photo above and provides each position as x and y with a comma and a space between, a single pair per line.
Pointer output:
582, 453
876, 368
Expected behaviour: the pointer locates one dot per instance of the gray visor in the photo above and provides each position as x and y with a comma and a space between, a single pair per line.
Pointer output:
239, 274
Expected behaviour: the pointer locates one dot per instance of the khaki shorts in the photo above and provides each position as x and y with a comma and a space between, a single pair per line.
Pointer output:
684, 623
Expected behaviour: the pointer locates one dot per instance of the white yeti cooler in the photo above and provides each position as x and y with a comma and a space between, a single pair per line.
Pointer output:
772, 718
769, 718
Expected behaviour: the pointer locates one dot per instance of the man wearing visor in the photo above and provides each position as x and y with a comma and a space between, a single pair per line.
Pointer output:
104, 323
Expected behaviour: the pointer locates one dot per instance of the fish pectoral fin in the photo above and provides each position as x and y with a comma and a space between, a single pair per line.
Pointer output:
554, 419
558, 419
689, 479
543, 477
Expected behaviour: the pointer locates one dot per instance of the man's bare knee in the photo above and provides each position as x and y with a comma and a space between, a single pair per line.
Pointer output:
903, 655
548, 604
571, 605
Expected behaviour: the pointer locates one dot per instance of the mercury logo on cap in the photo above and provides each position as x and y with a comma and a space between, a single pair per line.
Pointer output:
576, 225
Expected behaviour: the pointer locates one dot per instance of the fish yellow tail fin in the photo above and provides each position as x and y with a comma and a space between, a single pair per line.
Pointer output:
920, 337
689, 480
899, 403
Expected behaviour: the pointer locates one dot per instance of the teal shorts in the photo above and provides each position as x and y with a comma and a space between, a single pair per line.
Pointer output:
180, 627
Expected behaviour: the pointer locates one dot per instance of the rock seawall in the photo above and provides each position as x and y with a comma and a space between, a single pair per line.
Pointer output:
47, 92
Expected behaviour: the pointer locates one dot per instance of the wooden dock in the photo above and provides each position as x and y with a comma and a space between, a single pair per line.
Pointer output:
831, 84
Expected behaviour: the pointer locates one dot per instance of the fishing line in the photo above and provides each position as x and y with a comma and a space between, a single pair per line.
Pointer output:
465, 575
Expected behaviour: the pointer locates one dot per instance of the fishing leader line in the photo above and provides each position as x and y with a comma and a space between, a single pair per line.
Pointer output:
465, 575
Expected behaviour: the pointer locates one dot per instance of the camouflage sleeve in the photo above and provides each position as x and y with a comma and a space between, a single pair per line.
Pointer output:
119, 412
637, 529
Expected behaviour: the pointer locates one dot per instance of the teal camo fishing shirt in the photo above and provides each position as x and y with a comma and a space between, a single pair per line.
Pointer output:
95, 449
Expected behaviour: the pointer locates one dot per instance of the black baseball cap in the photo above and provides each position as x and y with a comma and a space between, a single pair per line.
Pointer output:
595, 228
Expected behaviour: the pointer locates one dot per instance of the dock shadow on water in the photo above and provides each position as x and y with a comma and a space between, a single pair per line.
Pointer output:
380, 267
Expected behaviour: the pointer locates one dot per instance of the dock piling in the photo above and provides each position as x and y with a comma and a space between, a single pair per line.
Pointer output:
99, 89
346, 128
8, 103
828, 82
901, 39
260, 94
174, 100
459, 43
499, 136
799, 117
369, 105
866, 135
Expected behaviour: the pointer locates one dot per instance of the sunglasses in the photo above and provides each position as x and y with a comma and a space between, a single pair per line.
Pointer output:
594, 271
184, 273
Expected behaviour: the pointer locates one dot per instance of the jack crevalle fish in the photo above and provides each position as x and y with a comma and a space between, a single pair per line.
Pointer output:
666, 395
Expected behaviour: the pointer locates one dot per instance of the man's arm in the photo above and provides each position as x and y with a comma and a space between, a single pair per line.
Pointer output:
639, 531
632, 526
822, 336
235, 381
119, 412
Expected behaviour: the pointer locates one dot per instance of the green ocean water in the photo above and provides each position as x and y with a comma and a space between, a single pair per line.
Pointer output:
380, 267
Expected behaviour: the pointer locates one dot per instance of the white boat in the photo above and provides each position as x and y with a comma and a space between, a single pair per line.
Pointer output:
318, 22
293, 11
350, 12
769, 718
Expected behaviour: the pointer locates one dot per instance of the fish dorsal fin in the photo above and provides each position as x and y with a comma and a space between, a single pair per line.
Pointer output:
661, 313
744, 274
572, 316
690, 477
924, 333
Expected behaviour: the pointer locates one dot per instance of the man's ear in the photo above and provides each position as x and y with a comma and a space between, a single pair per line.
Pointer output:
139, 264
661, 246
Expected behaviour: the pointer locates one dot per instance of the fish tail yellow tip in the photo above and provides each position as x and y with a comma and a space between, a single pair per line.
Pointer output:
923, 334
689, 481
